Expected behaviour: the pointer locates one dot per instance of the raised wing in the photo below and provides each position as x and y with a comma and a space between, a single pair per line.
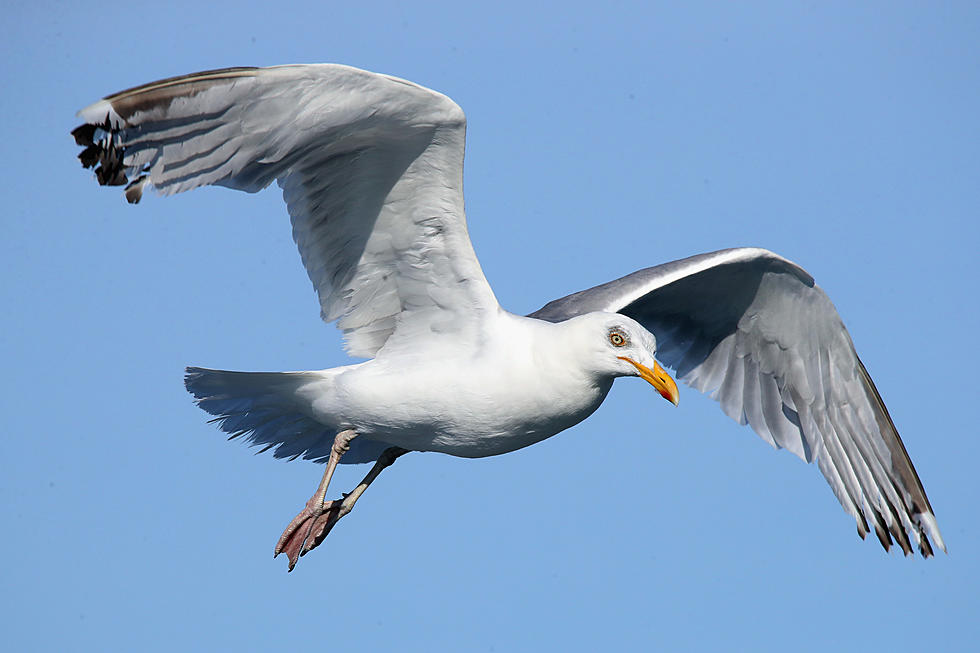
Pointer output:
370, 166
752, 329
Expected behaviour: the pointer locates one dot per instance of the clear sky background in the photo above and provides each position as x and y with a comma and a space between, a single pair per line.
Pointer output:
603, 137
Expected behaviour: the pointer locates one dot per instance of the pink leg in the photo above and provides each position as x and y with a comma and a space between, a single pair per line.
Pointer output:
294, 536
323, 515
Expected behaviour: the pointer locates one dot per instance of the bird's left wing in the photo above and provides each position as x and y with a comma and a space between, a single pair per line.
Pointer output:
752, 329
370, 166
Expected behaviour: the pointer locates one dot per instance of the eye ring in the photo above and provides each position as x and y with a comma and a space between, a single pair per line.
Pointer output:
617, 339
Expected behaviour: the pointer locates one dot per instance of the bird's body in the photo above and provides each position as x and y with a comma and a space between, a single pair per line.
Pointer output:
371, 172
521, 386
453, 405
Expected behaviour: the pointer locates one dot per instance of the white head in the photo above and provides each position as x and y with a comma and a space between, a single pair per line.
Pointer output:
616, 345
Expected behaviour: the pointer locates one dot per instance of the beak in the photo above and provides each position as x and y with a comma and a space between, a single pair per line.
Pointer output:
658, 378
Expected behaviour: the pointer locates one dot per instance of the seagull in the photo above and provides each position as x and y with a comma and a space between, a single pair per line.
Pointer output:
371, 170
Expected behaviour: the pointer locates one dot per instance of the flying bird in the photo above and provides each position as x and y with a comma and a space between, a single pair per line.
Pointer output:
371, 170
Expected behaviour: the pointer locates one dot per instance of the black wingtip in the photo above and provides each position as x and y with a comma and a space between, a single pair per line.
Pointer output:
84, 135
883, 537
903, 540
134, 191
925, 548
106, 156
89, 156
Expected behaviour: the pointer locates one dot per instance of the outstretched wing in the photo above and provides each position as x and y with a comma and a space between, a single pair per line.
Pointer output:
370, 166
752, 329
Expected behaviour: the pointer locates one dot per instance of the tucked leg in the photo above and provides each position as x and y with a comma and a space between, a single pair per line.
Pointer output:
299, 529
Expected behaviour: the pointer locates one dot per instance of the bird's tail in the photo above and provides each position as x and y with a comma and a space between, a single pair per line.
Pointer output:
265, 407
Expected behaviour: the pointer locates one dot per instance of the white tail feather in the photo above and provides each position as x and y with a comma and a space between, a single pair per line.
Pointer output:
269, 411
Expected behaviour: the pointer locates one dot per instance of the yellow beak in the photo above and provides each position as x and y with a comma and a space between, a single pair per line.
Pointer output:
658, 378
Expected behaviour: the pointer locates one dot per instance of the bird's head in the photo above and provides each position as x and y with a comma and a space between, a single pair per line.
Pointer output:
620, 346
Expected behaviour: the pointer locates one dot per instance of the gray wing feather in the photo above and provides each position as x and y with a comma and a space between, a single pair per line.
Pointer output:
752, 329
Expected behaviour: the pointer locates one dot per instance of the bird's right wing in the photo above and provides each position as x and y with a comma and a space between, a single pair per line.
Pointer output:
371, 170
752, 329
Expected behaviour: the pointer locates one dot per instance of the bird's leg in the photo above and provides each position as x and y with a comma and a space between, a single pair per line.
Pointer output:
292, 539
331, 512
339, 507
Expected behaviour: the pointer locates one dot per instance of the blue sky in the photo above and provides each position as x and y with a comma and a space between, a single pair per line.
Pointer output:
842, 137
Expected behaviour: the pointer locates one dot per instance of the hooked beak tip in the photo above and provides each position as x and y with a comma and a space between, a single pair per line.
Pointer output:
658, 378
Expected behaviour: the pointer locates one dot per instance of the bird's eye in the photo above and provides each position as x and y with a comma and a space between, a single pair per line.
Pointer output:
617, 339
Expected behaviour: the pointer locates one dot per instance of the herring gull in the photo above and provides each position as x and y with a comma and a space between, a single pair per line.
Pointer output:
371, 172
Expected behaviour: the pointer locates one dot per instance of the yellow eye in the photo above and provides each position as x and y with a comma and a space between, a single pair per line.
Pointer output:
617, 339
